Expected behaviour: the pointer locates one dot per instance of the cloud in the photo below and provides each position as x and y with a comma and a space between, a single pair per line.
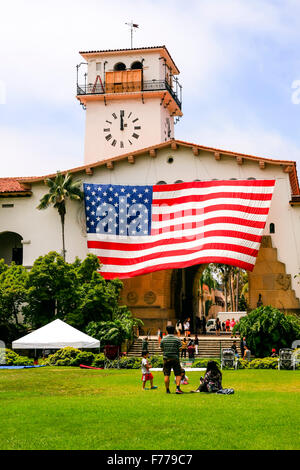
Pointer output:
41, 152
211, 41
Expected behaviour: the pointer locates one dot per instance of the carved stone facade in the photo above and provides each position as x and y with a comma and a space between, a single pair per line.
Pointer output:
270, 279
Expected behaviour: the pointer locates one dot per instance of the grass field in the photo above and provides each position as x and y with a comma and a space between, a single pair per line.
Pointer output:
71, 408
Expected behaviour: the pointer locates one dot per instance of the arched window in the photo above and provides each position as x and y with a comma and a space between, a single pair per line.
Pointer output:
119, 66
179, 181
251, 178
272, 227
161, 182
11, 248
136, 65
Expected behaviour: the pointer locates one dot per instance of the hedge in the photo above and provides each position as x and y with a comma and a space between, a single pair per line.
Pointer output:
73, 357
11, 358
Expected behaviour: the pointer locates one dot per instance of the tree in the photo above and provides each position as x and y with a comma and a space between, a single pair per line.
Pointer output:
266, 328
116, 330
13, 292
61, 189
208, 280
52, 290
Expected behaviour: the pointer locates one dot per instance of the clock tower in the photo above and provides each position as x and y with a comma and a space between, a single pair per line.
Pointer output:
131, 98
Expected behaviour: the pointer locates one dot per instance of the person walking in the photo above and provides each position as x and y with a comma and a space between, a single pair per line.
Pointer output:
183, 348
170, 346
196, 343
218, 327
179, 328
186, 327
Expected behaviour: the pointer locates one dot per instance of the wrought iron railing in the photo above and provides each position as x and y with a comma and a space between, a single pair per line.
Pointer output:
127, 87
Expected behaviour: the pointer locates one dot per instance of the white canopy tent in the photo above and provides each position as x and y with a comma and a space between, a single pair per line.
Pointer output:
56, 335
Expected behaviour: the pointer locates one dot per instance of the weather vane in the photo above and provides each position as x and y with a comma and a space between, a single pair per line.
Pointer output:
133, 26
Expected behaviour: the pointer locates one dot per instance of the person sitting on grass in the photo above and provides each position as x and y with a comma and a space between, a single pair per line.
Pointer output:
146, 374
212, 381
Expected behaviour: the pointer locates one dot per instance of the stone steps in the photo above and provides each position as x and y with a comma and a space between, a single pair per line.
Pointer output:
208, 347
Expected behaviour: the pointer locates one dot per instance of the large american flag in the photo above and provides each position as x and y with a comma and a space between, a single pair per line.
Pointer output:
135, 230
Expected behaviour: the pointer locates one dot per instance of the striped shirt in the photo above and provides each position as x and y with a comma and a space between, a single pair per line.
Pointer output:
170, 346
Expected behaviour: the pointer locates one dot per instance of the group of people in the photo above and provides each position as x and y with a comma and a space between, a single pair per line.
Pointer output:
184, 327
226, 326
171, 346
190, 346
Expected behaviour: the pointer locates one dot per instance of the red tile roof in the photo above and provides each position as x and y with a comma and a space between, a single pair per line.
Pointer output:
12, 185
22, 184
147, 48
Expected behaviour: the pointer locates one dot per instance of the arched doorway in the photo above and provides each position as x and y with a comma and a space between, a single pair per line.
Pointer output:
11, 248
185, 293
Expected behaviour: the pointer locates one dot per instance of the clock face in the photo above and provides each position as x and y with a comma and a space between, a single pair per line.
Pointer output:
122, 129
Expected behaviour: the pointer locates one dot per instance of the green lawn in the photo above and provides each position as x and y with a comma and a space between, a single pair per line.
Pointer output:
71, 408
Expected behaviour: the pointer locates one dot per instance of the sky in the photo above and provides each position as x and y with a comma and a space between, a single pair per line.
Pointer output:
239, 64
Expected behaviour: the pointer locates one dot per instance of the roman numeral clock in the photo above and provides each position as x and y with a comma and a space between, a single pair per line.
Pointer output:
131, 98
122, 128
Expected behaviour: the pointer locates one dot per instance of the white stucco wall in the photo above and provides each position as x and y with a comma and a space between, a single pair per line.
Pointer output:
43, 229
150, 119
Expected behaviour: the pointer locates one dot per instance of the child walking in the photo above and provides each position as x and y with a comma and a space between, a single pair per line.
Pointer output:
146, 374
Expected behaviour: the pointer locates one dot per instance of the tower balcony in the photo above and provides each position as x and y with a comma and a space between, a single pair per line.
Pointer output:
138, 86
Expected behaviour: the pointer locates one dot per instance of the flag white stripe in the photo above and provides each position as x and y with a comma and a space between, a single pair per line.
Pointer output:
212, 190
202, 217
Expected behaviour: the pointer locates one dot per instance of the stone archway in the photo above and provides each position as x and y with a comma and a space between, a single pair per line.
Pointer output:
11, 248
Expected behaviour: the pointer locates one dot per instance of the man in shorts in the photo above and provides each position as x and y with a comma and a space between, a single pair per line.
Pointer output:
170, 346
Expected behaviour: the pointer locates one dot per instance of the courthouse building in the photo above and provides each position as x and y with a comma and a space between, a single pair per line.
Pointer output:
132, 100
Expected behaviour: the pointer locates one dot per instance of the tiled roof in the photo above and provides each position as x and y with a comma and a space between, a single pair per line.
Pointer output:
11, 185
288, 166
147, 48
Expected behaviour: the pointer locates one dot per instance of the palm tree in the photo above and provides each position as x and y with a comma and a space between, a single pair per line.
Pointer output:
208, 280
62, 187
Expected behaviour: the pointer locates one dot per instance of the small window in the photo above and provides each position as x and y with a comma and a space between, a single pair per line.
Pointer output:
137, 65
120, 66
6, 206
272, 228
179, 181
251, 178
161, 182
98, 66
170, 160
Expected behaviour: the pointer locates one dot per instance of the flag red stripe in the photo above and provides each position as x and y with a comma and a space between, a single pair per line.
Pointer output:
183, 264
198, 197
162, 254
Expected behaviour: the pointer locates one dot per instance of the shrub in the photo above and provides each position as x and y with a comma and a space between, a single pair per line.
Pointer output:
203, 362
64, 357
99, 360
85, 357
13, 359
266, 328
264, 363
